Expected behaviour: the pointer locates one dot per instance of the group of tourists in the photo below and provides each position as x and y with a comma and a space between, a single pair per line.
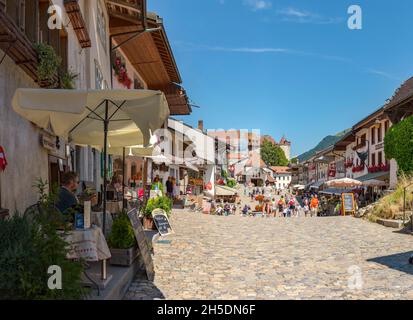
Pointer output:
170, 189
276, 203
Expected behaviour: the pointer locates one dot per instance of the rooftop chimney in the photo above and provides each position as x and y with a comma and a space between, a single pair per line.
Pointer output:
201, 125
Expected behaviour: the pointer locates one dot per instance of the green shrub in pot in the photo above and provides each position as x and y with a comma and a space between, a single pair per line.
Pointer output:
122, 235
163, 203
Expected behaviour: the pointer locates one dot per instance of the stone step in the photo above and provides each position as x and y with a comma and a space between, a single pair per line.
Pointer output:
398, 224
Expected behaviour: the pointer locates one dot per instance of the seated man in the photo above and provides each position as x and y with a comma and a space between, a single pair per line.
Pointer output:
66, 196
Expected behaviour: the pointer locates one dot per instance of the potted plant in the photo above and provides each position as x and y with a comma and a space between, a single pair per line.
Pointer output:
163, 203
122, 242
48, 65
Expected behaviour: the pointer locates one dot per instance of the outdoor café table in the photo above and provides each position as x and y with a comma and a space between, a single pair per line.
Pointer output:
89, 244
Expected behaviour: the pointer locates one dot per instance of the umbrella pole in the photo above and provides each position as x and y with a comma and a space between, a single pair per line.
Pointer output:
105, 178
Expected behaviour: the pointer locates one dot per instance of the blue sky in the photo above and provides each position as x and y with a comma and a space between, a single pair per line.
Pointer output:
288, 67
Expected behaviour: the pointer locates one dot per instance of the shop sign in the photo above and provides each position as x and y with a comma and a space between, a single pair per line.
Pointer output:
380, 146
48, 142
196, 182
143, 244
161, 222
348, 203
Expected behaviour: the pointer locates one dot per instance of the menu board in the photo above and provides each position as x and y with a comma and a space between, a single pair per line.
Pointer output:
348, 203
143, 244
162, 223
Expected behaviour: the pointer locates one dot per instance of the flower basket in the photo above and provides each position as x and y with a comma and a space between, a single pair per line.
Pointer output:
259, 198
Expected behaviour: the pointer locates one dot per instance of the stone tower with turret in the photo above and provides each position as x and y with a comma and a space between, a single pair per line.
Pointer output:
285, 145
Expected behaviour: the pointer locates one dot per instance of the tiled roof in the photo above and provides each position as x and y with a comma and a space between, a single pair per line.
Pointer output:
280, 169
404, 92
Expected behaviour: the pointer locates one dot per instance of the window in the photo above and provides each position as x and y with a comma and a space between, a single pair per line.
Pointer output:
99, 83
379, 134
373, 135
373, 159
363, 138
101, 25
380, 158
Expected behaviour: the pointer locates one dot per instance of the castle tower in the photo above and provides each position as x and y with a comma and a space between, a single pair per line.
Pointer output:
285, 145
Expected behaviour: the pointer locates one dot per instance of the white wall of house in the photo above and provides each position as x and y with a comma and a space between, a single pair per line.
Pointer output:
27, 160
282, 180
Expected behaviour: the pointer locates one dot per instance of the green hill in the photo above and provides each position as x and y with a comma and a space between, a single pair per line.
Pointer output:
323, 144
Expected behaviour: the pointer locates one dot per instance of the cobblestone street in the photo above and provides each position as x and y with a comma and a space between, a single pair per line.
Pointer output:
211, 257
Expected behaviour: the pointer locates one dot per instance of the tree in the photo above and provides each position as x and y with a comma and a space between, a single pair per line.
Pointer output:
294, 161
398, 144
273, 155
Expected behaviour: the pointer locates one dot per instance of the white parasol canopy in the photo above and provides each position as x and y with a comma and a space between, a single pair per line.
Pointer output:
134, 151
78, 114
106, 118
343, 183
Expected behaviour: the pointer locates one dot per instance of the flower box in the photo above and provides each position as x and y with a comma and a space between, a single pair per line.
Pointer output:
358, 168
379, 168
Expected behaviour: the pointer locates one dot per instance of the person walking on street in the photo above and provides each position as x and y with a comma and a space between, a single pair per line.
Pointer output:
306, 206
314, 206
281, 205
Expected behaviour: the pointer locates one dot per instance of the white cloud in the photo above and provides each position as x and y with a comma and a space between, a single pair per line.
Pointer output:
383, 74
291, 14
257, 5
257, 50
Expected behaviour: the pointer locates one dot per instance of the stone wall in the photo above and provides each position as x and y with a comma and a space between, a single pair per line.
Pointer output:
27, 161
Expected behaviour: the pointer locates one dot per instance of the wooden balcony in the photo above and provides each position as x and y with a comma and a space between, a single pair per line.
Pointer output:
16, 45
79, 26
177, 100
361, 145
127, 11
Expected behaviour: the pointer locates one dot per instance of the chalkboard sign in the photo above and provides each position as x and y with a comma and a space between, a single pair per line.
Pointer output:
348, 203
143, 244
161, 222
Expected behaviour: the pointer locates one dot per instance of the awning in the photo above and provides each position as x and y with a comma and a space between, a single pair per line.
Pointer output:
135, 151
224, 191
375, 183
376, 175
316, 185
334, 191
78, 114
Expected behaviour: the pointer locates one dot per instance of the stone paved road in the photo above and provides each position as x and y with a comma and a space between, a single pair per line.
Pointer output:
236, 257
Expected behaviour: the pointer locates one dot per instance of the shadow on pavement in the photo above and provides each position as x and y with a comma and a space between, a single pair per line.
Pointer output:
399, 261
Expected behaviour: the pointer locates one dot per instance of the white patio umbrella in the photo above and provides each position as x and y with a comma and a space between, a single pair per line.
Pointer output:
343, 183
105, 118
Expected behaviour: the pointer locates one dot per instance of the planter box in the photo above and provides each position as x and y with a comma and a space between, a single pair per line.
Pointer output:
123, 257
